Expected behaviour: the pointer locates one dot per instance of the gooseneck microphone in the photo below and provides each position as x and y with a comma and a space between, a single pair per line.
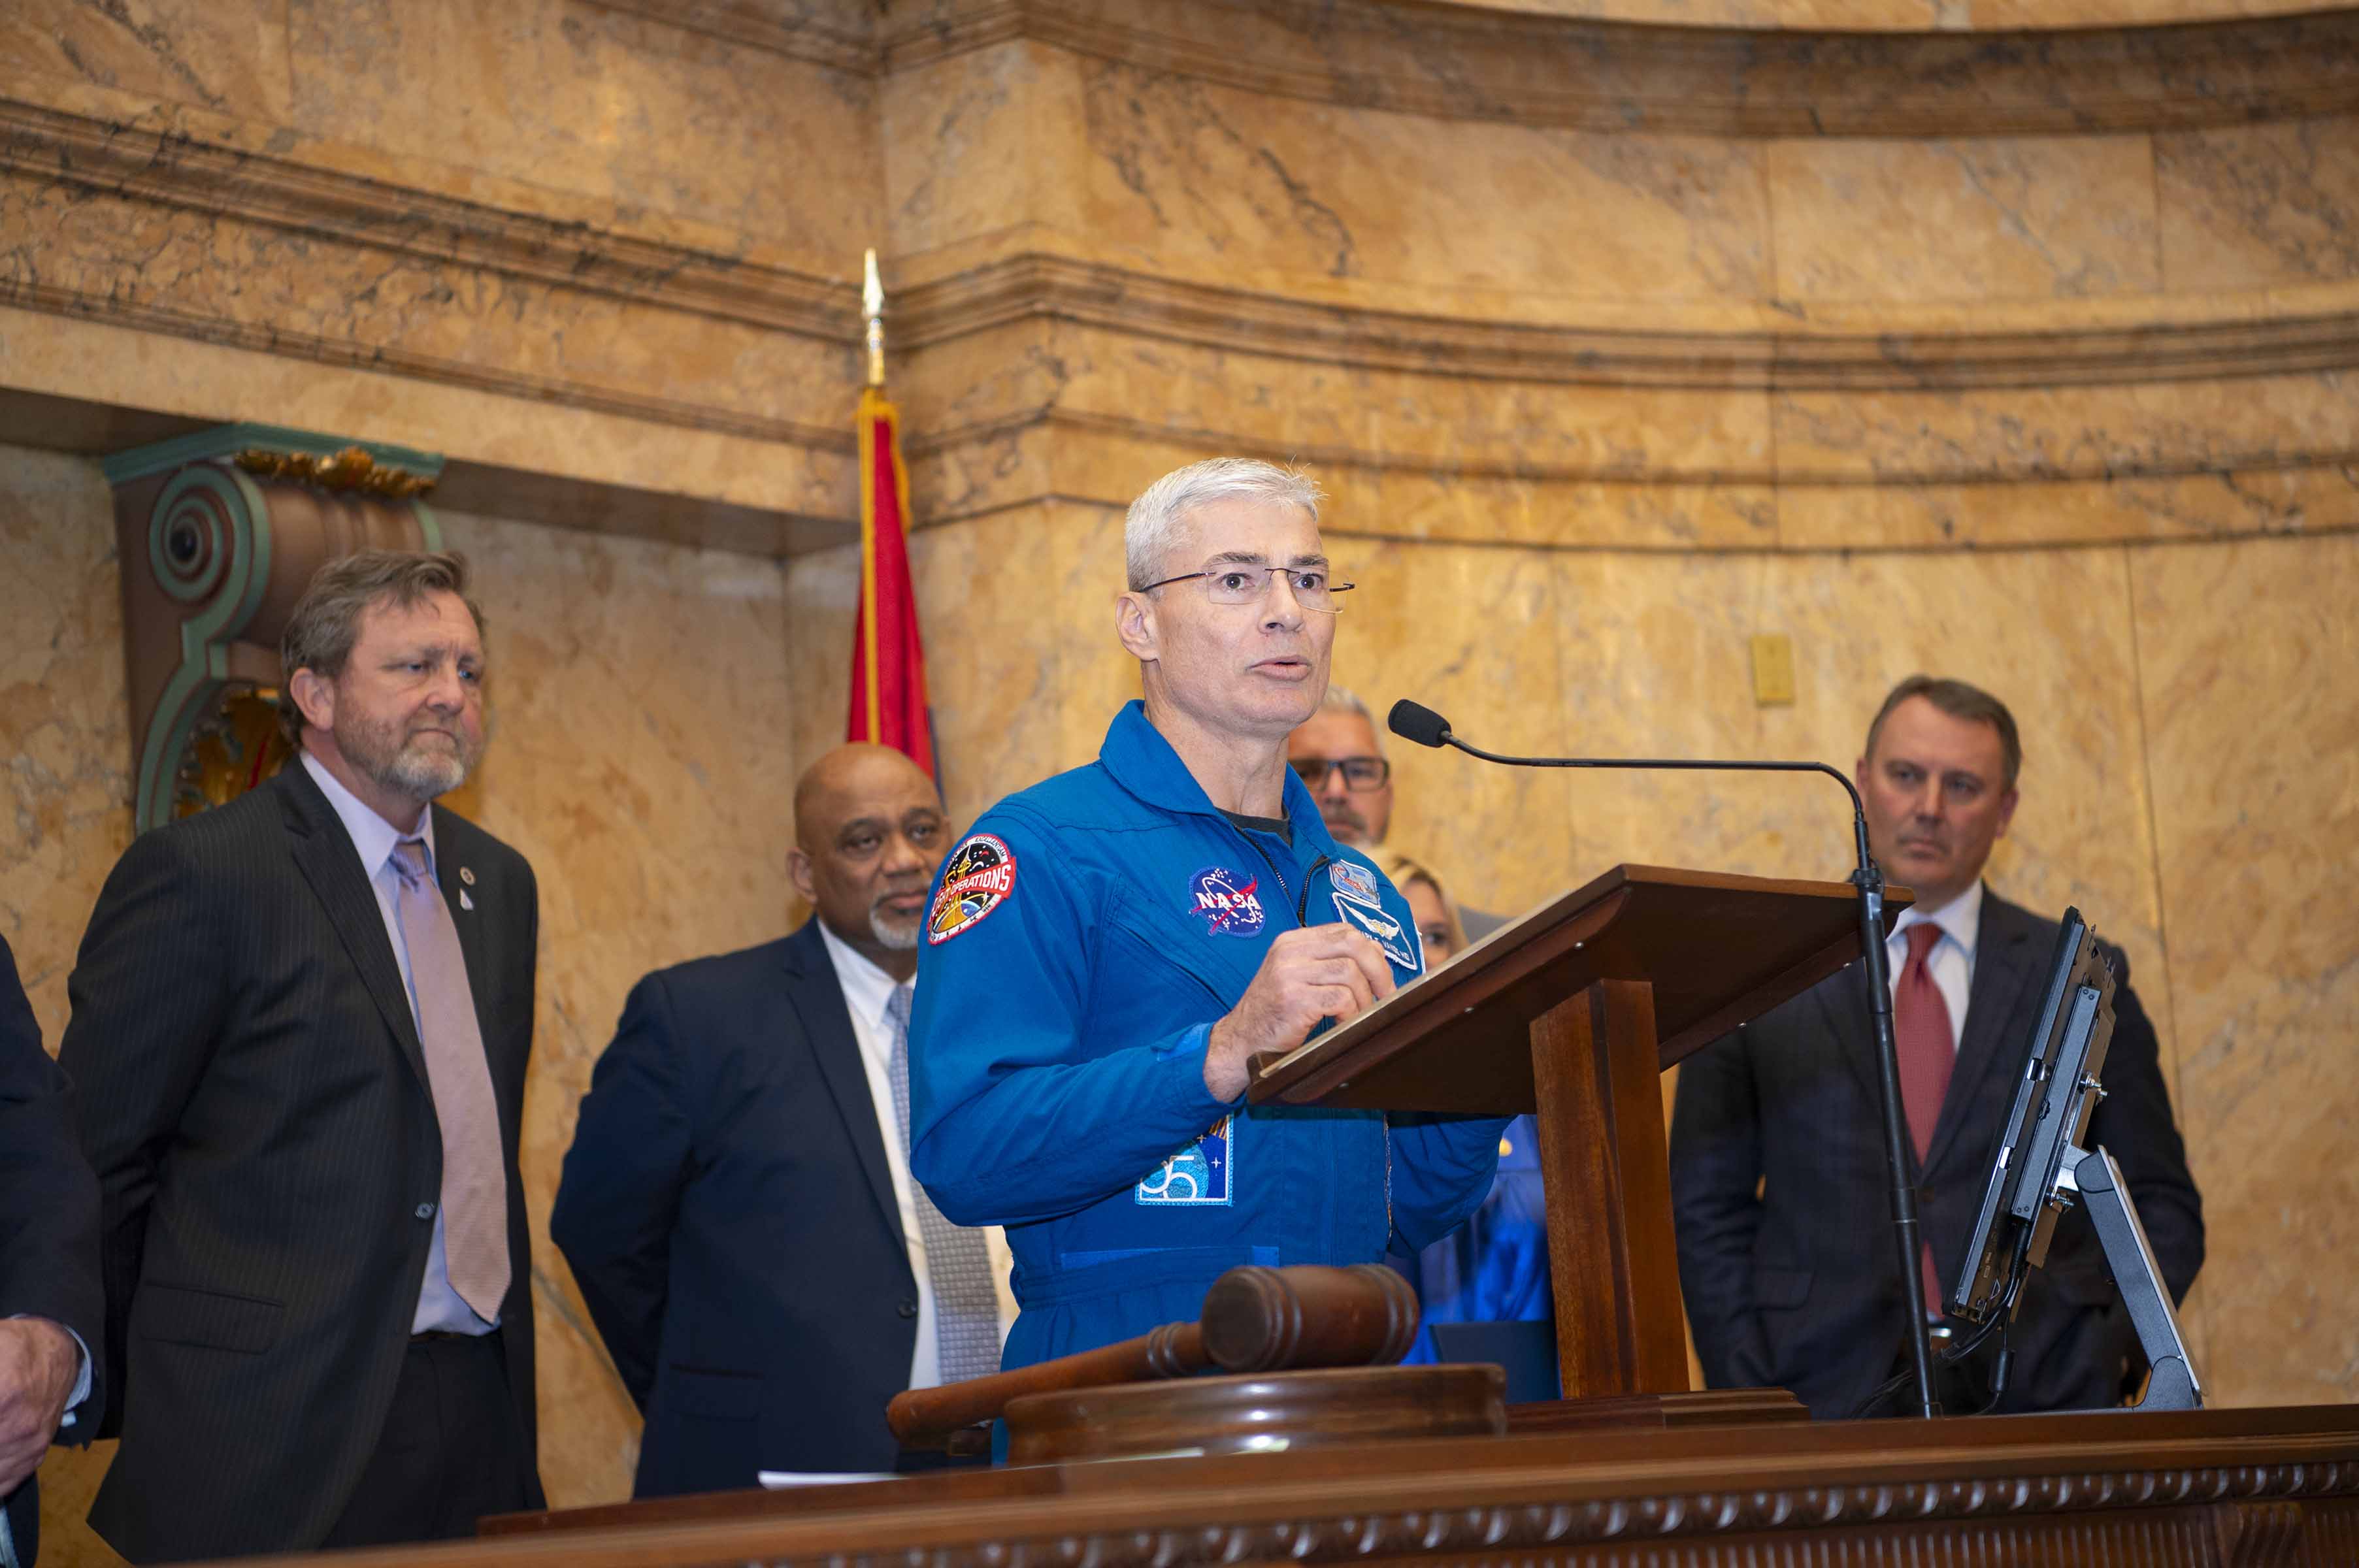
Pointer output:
1415, 721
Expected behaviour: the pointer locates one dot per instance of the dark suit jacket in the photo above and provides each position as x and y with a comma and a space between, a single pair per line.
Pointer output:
729, 1217
253, 1095
48, 1219
1795, 1287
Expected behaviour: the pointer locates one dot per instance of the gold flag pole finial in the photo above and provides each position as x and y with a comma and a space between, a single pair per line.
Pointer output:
872, 305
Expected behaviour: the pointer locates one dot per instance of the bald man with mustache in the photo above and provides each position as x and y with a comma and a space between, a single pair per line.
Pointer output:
737, 1207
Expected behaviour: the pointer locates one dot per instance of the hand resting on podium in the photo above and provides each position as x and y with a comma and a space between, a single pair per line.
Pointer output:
1325, 971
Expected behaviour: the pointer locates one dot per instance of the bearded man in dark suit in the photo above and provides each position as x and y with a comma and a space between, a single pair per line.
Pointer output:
301, 1023
1777, 1151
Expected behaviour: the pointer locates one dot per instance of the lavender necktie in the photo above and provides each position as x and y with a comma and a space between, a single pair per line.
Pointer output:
475, 1188
958, 1262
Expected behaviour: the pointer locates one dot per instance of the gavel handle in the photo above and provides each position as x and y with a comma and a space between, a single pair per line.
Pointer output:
924, 1418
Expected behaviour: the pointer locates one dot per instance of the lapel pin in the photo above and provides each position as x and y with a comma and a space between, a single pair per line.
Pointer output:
465, 901
467, 875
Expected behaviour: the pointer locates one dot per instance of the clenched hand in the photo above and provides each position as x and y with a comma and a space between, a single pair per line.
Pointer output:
1326, 971
38, 1365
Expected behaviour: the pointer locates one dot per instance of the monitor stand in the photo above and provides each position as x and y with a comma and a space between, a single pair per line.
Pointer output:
2172, 1385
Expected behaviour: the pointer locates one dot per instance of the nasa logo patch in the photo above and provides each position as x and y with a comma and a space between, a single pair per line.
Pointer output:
1402, 948
1203, 1172
979, 877
1352, 878
1227, 901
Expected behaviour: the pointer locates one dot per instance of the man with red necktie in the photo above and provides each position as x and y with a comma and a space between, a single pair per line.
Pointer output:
1777, 1149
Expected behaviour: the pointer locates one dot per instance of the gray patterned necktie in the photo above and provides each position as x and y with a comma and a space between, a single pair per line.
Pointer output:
958, 1262
475, 1182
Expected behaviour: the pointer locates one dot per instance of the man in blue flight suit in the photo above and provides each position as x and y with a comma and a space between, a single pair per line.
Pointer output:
1107, 951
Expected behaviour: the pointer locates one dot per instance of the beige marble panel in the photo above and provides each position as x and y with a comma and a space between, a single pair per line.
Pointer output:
2071, 432
2252, 720
593, 101
1021, 661
224, 55
982, 151
96, 361
65, 728
1472, 634
2249, 206
1483, 460
440, 320
65, 742
2182, 506
2025, 218
1187, 177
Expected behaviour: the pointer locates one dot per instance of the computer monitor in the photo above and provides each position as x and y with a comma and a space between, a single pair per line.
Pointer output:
2062, 1063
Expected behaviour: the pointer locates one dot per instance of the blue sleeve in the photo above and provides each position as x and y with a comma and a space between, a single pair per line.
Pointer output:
619, 1193
1021, 1110
1442, 1170
1443, 1166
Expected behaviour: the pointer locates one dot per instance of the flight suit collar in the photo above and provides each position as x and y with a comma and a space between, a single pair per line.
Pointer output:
1142, 762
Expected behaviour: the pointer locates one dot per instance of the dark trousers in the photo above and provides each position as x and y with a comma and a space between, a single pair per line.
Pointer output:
451, 1451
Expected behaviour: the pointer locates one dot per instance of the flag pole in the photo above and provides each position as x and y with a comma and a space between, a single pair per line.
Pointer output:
871, 307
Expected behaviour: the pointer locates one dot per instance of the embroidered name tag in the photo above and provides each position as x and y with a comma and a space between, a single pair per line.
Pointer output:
980, 877
1227, 901
1398, 944
1203, 1172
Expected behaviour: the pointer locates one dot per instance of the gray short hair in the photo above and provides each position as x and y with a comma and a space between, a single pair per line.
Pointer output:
1151, 530
1342, 699
326, 621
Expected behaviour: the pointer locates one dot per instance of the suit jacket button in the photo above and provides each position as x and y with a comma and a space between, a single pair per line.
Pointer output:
909, 1309
424, 1211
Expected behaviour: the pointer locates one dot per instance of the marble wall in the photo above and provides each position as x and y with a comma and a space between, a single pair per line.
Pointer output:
641, 758
2032, 358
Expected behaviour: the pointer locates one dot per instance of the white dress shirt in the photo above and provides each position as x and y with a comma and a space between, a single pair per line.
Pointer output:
1951, 960
439, 1306
867, 990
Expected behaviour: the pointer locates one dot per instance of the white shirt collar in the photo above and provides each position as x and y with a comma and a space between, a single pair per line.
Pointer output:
1960, 919
866, 988
372, 835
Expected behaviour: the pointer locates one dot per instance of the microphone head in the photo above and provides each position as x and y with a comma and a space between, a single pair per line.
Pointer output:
1415, 721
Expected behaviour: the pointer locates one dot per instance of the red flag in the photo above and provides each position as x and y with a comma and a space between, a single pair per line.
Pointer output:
888, 662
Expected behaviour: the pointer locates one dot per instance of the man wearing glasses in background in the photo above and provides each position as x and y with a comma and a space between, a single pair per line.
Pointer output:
1107, 952
1340, 754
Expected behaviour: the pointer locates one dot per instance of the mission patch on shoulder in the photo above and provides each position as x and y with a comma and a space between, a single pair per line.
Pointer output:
979, 878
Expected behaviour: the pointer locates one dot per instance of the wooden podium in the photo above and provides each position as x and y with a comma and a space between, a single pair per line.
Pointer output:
1572, 1013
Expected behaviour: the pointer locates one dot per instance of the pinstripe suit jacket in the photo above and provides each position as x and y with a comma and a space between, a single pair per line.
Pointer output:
254, 1097
1779, 1191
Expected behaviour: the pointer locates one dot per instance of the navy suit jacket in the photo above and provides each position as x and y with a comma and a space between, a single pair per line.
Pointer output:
1778, 1189
252, 1092
48, 1219
729, 1217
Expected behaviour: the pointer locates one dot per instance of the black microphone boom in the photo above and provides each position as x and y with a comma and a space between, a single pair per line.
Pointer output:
1415, 721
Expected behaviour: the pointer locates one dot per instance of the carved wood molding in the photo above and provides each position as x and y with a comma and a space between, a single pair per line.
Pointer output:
2261, 1513
1502, 1533
1537, 69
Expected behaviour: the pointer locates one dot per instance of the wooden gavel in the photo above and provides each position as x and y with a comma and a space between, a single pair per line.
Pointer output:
1255, 1320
